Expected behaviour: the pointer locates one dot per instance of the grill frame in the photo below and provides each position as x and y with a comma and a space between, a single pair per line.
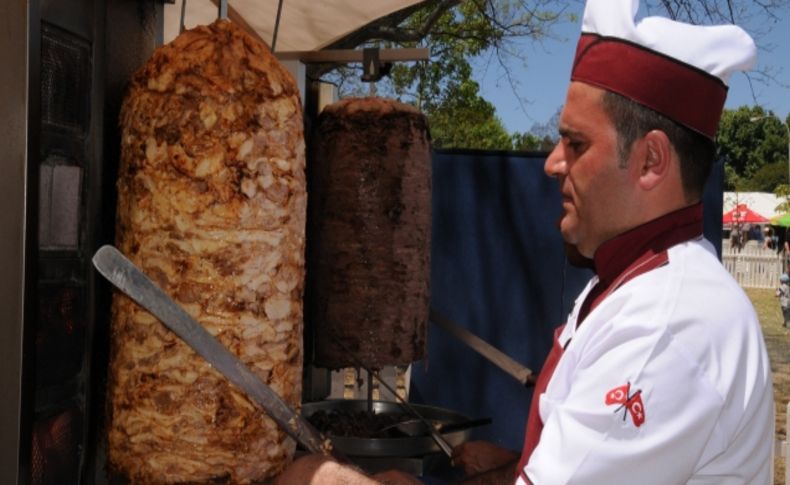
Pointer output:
102, 43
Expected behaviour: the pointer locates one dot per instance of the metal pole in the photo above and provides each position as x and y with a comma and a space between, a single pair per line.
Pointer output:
277, 24
183, 14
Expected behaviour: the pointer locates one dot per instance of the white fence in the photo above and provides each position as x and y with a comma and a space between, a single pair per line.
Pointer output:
752, 266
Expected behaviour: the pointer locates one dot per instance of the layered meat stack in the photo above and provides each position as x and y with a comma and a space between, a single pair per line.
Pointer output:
369, 234
212, 206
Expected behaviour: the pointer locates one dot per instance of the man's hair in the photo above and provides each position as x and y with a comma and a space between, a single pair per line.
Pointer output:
632, 120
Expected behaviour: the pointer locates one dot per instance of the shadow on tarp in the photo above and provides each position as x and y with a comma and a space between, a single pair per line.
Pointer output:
498, 269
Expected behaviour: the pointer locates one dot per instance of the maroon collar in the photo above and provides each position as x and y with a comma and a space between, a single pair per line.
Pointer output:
638, 251
618, 260
616, 255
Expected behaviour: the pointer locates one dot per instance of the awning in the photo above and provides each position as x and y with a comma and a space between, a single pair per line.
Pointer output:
743, 214
305, 25
764, 203
781, 220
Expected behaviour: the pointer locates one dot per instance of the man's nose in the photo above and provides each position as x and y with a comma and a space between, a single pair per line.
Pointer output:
555, 163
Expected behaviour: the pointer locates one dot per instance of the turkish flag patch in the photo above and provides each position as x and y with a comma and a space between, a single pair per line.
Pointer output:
629, 403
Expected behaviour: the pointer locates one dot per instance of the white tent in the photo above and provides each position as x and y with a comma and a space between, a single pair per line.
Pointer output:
305, 25
763, 203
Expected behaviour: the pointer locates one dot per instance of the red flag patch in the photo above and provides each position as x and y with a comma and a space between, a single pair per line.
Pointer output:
618, 395
631, 402
637, 409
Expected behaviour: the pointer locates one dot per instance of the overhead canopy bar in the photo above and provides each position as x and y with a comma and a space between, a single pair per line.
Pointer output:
345, 56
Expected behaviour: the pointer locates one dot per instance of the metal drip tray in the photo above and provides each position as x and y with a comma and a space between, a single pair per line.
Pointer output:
407, 446
417, 455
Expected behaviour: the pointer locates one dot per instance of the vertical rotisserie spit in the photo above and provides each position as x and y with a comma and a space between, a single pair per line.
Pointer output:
211, 205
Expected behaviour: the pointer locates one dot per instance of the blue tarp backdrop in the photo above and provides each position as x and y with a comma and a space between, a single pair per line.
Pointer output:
498, 269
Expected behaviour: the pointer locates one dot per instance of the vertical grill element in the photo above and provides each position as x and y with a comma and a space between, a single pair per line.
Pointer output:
60, 336
65, 81
58, 440
60, 203
56, 457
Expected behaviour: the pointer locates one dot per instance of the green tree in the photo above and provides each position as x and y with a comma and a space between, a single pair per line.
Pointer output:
767, 178
783, 192
456, 31
753, 145
465, 120
531, 142
443, 88
547, 133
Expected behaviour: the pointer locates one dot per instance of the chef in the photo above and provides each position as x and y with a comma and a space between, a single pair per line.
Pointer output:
660, 374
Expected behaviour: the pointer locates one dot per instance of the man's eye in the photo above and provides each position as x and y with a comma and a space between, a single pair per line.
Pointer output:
574, 145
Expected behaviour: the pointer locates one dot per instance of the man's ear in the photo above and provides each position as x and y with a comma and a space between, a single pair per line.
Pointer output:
656, 159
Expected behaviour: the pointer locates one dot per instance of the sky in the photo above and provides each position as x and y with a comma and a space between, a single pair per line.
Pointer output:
544, 80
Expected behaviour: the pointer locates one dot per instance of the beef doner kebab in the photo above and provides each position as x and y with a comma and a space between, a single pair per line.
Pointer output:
211, 205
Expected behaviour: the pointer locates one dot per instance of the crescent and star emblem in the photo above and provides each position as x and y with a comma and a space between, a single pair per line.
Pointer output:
629, 403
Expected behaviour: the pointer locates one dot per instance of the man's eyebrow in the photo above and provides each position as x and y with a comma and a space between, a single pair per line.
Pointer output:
566, 132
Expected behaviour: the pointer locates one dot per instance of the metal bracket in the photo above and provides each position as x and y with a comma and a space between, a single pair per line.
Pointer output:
376, 63
372, 68
183, 14
223, 9
277, 24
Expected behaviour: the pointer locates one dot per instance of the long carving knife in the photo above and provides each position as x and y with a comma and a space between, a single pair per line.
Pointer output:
492, 354
128, 278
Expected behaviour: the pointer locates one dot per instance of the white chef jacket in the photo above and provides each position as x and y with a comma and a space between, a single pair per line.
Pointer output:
686, 341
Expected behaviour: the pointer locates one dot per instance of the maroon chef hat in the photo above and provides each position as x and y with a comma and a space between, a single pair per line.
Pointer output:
679, 70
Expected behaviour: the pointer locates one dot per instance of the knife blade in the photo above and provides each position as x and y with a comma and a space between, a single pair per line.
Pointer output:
133, 282
522, 374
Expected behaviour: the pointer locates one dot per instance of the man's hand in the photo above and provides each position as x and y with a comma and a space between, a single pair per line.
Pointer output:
395, 477
323, 470
476, 457
304, 470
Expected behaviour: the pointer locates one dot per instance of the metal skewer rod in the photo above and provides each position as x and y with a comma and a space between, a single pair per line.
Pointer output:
370, 392
438, 438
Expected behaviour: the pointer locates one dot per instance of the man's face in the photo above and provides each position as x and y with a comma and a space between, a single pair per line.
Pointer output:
597, 192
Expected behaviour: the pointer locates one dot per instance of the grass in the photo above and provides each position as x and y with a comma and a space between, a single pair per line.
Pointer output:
777, 339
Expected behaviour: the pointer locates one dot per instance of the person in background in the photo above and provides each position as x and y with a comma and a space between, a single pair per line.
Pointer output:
660, 375
736, 237
783, 293
755, 234
775, 241
768, 238
786, 252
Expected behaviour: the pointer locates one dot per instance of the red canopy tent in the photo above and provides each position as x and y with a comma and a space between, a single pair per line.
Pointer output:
742, 214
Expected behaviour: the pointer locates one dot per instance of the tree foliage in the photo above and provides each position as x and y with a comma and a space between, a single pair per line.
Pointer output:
541, 136
530, 142
443, 88
753, 144
466, 120
456, 31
